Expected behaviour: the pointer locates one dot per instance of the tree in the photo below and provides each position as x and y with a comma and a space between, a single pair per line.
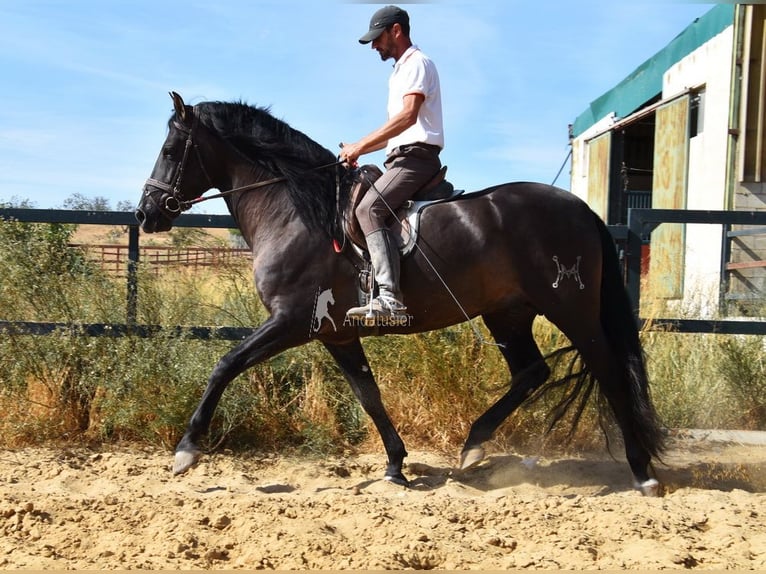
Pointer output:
125, 205
79, 202
16, 203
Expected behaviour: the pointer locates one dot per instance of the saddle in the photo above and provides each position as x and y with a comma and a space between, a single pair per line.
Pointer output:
405, 228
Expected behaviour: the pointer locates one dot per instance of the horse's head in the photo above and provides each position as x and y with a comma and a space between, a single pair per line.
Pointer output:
179, 175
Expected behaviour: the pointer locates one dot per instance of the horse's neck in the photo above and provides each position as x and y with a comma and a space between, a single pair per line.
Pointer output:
247, 207
265, 215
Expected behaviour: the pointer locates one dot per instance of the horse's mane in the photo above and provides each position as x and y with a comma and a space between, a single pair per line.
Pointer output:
284, 152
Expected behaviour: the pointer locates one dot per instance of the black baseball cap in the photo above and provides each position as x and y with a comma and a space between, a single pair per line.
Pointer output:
382, 19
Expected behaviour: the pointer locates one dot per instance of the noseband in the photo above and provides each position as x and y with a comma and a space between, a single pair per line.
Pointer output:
174, 203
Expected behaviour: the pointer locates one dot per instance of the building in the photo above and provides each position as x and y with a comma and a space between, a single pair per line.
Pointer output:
686, 130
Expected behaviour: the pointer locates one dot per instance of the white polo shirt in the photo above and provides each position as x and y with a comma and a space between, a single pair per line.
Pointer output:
415, 73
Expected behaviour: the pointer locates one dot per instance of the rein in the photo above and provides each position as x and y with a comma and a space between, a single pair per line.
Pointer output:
187, 204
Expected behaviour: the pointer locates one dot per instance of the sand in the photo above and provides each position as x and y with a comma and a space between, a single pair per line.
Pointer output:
121, 508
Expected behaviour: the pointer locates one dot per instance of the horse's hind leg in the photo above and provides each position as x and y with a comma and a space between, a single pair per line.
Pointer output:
614, 380
513, 332
352, 361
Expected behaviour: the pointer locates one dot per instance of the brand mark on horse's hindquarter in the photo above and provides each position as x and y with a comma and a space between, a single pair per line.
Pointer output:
321, 310
562, 272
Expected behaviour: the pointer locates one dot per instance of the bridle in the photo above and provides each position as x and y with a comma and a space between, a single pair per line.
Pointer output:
174, 204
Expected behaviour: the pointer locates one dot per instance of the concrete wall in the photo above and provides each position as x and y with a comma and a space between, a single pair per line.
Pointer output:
708, 66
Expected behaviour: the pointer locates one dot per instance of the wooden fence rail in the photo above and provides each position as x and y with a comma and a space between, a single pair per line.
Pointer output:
115, 259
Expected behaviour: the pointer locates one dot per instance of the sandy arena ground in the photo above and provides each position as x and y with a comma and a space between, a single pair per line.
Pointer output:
122, 509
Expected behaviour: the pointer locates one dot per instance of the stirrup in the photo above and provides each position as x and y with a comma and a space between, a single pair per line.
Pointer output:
382, 309
391, 304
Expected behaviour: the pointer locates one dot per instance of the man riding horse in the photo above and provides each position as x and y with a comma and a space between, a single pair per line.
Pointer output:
413, 136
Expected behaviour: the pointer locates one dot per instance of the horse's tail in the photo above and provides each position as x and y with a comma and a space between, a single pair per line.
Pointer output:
619, 324
622, 335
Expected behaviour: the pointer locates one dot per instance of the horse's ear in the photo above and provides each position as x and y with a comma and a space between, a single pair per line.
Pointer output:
178, 104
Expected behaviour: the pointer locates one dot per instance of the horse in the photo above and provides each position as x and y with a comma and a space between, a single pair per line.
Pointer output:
507, 254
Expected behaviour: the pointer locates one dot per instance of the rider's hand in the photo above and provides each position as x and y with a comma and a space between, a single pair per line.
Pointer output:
350, 154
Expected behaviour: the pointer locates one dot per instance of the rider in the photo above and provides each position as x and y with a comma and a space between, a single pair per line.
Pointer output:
413, 136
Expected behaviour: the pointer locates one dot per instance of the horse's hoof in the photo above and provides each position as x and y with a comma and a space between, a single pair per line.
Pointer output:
649, 487
471, 457
184, 460
398, 478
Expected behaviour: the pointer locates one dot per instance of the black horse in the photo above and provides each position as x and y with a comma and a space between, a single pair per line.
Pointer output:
507, 253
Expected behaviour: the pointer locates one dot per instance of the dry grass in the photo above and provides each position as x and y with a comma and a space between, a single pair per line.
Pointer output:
434, 385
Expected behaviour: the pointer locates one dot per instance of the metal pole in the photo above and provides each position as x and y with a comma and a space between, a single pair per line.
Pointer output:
723, 283
133, 255
634, 242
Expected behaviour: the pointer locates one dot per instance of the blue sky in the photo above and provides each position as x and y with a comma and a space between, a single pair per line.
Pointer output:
84, 100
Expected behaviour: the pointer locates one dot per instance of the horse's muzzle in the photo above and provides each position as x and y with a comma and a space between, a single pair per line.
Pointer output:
150, 224
150, 213
140, 215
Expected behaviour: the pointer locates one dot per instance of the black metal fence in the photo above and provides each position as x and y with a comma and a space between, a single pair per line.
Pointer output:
628, 238
130, 327
641, 223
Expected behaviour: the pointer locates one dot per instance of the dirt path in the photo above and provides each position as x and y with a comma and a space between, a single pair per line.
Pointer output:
122, 509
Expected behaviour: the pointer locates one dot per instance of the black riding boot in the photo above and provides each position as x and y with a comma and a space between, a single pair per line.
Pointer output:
384, 255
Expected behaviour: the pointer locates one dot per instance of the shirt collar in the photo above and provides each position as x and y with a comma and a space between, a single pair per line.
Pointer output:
407, 53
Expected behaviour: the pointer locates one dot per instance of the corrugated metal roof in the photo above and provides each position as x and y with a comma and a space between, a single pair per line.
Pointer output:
645, 82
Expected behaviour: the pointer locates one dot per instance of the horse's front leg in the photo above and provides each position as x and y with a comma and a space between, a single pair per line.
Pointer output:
270, 339
352, 361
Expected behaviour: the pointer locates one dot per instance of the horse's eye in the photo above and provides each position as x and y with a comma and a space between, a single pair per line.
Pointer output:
167, 153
